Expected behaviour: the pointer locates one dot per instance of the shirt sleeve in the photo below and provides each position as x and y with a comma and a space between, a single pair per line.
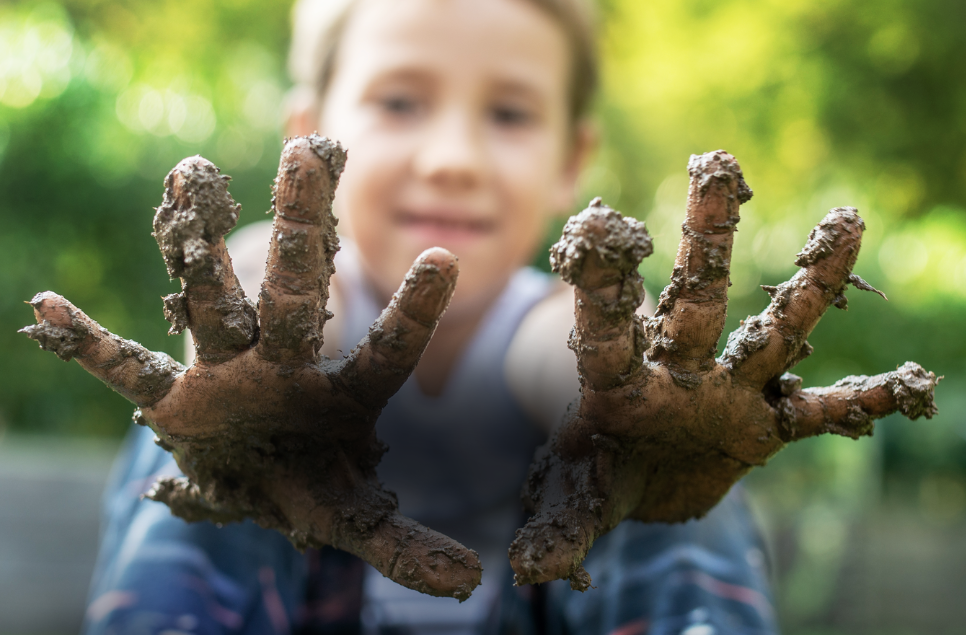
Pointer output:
156, 573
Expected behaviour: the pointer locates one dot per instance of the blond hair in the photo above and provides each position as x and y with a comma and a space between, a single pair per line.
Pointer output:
317, 27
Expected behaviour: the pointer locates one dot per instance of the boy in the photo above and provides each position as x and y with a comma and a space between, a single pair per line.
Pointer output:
466, 128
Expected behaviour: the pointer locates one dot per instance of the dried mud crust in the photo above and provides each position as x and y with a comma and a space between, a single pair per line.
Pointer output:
261, 425
662, 429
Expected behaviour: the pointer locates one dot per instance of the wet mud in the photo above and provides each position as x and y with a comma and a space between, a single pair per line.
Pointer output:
260, 425
661, 431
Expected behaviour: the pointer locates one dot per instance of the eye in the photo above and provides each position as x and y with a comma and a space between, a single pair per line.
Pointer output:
511, 116
399, 105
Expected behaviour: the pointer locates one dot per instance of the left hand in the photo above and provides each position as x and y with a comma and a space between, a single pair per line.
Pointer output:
662, 429
261, 424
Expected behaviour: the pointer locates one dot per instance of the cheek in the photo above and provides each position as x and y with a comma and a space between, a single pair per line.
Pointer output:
371, 178
376, 172
531, 174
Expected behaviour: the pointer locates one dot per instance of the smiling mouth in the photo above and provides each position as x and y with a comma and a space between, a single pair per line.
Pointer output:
446, 226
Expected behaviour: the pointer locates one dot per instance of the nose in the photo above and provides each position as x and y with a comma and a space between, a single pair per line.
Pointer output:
452, 154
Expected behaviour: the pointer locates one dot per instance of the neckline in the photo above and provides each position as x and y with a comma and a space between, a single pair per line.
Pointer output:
488, 339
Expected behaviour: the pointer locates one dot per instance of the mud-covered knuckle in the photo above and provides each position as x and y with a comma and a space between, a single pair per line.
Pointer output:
293, 248
296, 326
301, 257
390, 340
361, 519
787, 420
186, 501
826, 238
219, 342
717, 261
612, 309
176, 312
786, 297
239, 323
857, 423
788, 384
620, 244
65, 343
853, 418
196, 212
753, 334
156, 373
656, 338
706, 262
914, 390
235, 328
718, 166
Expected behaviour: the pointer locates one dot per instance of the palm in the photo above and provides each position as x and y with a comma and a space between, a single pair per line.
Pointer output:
261, 425
662, 429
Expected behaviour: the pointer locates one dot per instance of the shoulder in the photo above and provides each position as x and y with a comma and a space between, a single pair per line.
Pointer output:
541, 371
248, 247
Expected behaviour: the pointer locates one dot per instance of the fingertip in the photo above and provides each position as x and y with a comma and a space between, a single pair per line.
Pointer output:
424, 560
308, 174
188, 171
835, 240
718, 166
53, 308
429, 286
317, 150
599, 247
297, 148
443, 260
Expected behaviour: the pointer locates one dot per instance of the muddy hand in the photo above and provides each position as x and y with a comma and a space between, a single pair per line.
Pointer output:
662, 429
261, 425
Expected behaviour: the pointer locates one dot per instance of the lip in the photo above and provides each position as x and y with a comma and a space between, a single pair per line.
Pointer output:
446, 225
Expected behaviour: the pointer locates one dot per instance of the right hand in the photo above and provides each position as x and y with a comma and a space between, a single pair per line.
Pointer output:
261, 425
662, 429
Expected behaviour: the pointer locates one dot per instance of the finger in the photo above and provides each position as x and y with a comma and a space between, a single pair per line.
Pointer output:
850, 406
382, 362
190, 226
186, 501
349, 510
691, 312
139, 375
291, 304
599, 253
771, 343
416, 557
552, 546
576, 494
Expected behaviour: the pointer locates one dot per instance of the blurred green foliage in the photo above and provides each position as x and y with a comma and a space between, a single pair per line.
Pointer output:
824, 102
98, 100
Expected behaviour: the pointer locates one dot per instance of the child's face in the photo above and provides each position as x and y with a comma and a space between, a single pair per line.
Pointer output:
455, 116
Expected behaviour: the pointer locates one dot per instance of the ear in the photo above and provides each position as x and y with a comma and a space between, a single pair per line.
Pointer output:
586, 137
300, 112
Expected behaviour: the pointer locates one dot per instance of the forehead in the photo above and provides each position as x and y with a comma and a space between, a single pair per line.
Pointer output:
510, 41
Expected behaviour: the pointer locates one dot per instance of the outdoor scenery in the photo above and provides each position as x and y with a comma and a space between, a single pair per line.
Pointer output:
825, 103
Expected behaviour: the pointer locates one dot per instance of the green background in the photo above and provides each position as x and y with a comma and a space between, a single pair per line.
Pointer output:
824, 102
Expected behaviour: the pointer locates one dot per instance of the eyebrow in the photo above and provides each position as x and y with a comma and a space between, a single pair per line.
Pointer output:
537, 95
402, 73
521, 88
